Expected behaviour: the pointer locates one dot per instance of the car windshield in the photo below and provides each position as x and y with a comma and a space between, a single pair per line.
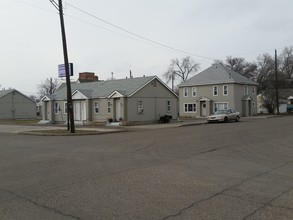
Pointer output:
220, 112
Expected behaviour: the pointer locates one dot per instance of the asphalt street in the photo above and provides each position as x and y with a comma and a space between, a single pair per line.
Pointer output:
211, 171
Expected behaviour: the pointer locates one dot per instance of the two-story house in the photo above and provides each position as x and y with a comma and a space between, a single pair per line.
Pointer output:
217, 87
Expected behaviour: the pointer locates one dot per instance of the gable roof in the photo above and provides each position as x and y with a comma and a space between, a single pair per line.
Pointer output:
103, 89
217, 74
7, 91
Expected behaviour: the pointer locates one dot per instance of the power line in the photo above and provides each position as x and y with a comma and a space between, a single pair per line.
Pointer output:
137, 35
123, 35
146, 40
34, 6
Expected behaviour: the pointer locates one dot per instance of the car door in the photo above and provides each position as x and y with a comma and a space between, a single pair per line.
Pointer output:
233, 114
230, 114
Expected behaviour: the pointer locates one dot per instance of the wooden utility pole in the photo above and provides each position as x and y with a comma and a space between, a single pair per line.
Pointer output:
277, 92
70, 117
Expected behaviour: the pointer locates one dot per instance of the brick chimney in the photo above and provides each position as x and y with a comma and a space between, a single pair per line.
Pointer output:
87, 77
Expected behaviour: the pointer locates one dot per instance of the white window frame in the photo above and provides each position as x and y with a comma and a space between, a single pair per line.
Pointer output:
194, 92
225, 86
139, 107
216, 107
96, 107
186, 107
245, 90
65, 108
56, 108
109, 107
215, 91
168, 106
185, 92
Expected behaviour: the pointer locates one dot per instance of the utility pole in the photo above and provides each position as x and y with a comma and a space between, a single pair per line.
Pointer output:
70, 117
173, 81
277, 92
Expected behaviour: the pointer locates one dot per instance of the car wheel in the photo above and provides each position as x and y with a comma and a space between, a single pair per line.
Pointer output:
225, 119
237, 119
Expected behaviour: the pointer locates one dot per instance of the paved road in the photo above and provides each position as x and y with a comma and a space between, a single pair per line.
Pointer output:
215, 171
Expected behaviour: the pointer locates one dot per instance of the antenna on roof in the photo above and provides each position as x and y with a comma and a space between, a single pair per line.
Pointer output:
130, 74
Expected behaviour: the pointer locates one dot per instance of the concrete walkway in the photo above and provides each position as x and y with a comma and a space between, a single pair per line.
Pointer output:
33, 129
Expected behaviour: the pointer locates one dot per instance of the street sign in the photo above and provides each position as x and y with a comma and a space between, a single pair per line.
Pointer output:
62, 72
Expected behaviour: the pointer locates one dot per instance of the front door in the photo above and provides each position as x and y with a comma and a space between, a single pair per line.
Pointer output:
76, 111
118, 109
83, 111
47, 110
203, 109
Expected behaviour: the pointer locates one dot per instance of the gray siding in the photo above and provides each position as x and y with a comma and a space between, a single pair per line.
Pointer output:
234, 99
14, 105
154, 97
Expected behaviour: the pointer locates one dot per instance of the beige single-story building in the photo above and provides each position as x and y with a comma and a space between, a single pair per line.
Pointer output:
130, 100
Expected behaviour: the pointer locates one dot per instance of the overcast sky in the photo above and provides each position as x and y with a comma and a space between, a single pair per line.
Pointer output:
31, 46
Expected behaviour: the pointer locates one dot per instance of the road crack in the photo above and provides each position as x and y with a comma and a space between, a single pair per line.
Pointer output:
56, 211
180, 212
269, 203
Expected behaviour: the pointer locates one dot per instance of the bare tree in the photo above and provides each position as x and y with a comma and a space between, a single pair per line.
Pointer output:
266, 72
241, 66
181, 69
286, 62
48, 87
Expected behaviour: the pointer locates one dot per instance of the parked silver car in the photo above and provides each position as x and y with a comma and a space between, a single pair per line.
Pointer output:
224, 115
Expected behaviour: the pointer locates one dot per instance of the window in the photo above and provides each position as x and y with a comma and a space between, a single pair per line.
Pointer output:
225, 90
96, 108
215, 90
56, 108
253, 104
139, 107
193, 91
185, 92
220, 106
190, 107
168, 106
253, 89
65, 108
245, 90
109, 107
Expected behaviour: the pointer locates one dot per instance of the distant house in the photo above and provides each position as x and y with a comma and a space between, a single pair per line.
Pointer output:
15, 105
285, 101
217, 87
130, 100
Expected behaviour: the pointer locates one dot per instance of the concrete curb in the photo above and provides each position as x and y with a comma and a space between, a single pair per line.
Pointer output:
78, 132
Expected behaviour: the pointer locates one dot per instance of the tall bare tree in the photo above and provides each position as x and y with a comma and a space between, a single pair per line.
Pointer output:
286, 62
48, 87
181, 69
241, 66
266, 72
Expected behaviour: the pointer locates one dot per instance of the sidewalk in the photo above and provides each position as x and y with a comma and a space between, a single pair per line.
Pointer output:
86, 130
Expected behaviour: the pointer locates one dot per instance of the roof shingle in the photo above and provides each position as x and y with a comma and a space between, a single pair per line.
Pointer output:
101, 89
217, 74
